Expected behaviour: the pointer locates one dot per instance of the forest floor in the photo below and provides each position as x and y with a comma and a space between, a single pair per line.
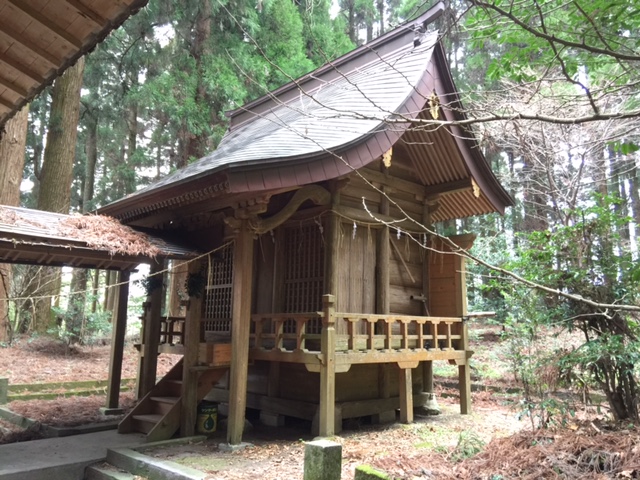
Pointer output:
493, 443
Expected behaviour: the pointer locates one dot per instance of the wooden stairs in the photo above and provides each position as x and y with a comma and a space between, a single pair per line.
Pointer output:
158, 413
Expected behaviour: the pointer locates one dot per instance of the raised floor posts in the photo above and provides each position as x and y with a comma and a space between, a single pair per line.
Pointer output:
328, 369
406, 395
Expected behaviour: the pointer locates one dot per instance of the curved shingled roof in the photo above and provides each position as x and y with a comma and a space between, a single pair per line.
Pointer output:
338, 118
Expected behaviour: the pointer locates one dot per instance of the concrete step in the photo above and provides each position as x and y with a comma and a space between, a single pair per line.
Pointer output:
153, 468
104, 471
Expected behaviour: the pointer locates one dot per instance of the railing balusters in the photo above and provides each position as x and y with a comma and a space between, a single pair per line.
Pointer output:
351, 341
434, 335
279, 332
420, 334
300, 333
387, 334
405, 335
291, 332
371, 331
259, 323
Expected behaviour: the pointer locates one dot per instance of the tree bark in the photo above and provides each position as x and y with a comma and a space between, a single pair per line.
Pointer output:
57, 173
12, 151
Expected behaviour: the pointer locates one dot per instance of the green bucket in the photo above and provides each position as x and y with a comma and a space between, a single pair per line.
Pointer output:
207, 417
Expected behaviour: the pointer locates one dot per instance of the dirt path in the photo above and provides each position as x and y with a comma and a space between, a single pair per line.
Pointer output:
278, 453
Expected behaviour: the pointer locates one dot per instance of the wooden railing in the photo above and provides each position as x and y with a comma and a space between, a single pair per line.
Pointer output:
171, 330
368, 332
287, 331
365, 332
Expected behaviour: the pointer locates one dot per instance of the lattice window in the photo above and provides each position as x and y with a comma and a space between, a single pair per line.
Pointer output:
303, 272
217, 303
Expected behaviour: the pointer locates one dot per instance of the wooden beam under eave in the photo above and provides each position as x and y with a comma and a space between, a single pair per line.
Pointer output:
87, 13
118, 332
240, 329
449, 187
22, 69
13, 87
4, 103
20, 39
45, 22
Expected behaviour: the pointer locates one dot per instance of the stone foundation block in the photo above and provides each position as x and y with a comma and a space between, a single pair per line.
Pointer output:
271, 419
384, 417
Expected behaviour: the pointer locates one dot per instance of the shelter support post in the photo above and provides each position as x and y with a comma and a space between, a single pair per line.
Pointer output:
240, 329
328, 369
151, 337
191, 342
118, 332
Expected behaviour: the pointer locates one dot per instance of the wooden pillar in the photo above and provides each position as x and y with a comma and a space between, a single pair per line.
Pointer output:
464, 373
240, 327
118, 330
152, 331
332, 257
382, 262
464, 370
191, 341
328, 369
406, 395
427, 366
383, 298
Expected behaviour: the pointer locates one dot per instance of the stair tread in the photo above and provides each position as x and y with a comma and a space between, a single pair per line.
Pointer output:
148, 417
166, 399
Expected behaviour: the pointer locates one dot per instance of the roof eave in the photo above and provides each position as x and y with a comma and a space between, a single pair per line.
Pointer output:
476, 162
88, 47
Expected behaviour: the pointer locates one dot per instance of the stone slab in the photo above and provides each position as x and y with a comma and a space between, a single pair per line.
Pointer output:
63, 458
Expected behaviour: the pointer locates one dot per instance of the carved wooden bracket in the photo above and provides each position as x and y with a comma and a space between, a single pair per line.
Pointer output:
315, 193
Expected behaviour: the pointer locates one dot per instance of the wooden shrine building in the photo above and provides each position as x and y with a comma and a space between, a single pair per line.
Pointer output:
324, 297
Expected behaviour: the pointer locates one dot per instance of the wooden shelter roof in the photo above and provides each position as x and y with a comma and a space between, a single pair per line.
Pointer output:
337, 119
89, 241
39, 39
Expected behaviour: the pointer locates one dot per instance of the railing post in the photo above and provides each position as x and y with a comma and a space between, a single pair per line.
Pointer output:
328, 369
464, 371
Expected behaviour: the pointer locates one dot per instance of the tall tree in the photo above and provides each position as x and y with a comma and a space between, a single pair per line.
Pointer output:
12, 153
54, 192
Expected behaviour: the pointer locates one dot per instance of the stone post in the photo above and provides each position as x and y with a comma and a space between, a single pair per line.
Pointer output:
322, 460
